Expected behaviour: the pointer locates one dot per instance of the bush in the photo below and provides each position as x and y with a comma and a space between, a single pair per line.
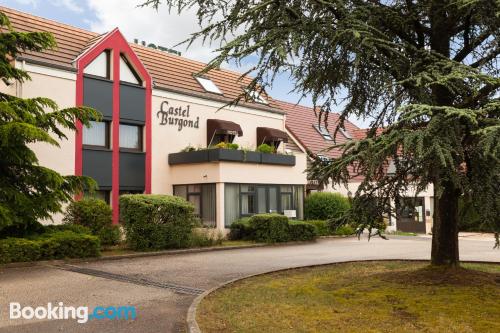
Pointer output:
301, 231
265, 148
343, 230
76, 228
270, 228
325, 205
51, 245
97, 216
241, 229
321, 226
154, 222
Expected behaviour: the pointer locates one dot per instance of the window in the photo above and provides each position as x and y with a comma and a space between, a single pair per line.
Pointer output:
131, 137
256, 96
202, 197
324, 132
247, 199
127, 73
97, 135
208, 85
100, 66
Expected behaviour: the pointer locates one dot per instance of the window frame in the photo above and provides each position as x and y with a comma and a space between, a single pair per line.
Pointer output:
107, 133
200, 195
140, 149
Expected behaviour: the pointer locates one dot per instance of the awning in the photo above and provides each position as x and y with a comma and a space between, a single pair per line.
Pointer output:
218, 126
270, 134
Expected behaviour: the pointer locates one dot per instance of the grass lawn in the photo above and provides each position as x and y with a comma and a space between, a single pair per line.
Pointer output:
359, 297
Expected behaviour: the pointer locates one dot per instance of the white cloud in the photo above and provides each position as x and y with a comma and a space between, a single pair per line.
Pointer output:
157, 27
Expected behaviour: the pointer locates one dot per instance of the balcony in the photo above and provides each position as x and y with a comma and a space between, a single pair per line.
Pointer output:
230, 155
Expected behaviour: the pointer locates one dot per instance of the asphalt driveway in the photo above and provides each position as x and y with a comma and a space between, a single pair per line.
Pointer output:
162, 288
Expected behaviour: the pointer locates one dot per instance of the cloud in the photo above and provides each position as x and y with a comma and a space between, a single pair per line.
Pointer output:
67, 4
146, 24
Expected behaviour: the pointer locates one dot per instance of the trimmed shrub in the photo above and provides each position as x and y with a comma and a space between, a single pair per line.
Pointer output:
155, 222
270, 228
241, 229
51, 245
301, 231
95, 215
76, 228
325, 205
321, 226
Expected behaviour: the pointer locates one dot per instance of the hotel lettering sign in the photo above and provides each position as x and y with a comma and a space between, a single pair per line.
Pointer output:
176, 116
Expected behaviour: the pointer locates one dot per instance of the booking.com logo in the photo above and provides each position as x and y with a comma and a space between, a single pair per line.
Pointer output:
81, 313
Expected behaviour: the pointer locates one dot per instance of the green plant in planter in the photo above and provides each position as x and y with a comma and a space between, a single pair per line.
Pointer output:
265, 148
233, 146
220, 145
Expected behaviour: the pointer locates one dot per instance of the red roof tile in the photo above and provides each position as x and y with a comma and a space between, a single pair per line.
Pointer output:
169, 71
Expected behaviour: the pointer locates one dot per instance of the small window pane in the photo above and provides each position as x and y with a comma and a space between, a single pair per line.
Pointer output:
286, 202
261, 200
286, 188
208, 201
247, 204
273, 200
194, 188
247, 188
208, 85
180, 191
231, 204
127, 73
130, 137
196, 201
95, 135
99, 66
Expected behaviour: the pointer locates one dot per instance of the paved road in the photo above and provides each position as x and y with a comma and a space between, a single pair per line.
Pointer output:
152, 284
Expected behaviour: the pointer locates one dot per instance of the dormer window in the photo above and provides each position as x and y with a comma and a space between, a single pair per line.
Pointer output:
256, 96
324, 132
127, 72
100, 66
345, 133
208, 85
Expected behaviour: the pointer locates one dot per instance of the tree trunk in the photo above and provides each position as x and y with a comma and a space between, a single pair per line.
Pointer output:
445, 228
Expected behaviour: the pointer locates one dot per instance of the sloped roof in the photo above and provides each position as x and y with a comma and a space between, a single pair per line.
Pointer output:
170, 72
300, 121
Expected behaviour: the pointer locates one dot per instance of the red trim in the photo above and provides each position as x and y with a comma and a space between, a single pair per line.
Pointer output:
117, 43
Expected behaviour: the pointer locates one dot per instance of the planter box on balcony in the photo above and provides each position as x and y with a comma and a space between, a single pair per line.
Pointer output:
252, 157
278, 159
187, 157
230, 155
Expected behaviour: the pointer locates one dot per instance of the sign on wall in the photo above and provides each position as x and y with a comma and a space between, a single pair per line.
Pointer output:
176, 116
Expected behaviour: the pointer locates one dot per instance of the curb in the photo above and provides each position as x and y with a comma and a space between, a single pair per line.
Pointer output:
147, 254
192, 324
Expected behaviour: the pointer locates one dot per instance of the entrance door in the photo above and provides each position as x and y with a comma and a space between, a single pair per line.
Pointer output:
410, 215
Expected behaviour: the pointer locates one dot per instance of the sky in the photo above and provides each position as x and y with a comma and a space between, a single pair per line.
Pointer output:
145, 24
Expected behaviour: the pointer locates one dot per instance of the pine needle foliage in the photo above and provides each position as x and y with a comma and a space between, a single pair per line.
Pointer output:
30, 192
424, 71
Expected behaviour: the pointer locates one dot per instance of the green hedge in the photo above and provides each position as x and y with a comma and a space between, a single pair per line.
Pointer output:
321, 227
154, 222
270, 228
325, 205
95, 215
301, 231
241, 229
51, 245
